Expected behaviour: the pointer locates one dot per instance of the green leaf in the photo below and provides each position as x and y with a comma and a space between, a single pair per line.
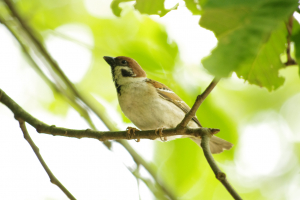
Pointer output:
263, 69
296, 39
153, 7
246, 31
116, 8
194, 6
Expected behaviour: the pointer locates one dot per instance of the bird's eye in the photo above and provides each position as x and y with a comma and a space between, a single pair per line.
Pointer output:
124, 62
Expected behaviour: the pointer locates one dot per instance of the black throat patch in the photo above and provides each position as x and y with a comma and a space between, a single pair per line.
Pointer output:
118, 87
126, 73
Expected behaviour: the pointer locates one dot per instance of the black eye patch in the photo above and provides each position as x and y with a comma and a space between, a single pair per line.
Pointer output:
126, 73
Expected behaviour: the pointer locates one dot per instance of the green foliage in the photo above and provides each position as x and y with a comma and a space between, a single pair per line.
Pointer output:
195, 6
296, 39
153, 7
246, 31
116, 8
264, 69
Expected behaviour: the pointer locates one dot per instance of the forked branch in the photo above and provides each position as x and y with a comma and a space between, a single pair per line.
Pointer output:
204, 133
199, 101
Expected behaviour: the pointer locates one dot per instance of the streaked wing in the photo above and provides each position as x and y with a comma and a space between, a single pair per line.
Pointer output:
167, 94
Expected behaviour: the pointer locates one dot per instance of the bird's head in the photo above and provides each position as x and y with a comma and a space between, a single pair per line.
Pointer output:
125, 70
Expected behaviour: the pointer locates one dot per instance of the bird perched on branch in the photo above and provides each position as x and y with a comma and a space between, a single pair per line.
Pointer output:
151, 105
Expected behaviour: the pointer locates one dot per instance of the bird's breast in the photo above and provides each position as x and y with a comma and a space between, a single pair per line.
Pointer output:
146, 109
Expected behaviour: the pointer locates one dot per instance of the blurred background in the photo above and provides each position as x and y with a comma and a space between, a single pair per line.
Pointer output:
262, 125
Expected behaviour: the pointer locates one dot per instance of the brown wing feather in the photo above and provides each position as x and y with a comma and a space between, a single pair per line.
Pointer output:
167, 94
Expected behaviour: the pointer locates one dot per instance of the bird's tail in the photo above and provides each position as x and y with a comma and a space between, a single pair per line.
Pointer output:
217, 145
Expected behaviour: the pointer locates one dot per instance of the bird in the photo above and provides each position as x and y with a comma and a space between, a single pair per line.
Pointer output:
149, 104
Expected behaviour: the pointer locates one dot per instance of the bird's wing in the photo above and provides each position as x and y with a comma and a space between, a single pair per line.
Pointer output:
167, 94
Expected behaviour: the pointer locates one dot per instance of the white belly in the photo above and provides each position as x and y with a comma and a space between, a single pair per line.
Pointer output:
146, 109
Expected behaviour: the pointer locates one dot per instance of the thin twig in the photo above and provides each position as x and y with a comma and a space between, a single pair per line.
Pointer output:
221, 176
205, 138
44, 52
70, 99
36, 150
289, 27
199, 100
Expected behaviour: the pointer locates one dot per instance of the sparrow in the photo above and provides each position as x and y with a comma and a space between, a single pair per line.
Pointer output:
150, 105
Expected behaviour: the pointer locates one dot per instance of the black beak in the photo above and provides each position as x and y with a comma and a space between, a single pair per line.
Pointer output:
110, 60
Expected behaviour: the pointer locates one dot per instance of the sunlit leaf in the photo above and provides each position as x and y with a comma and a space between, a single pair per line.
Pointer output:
154, 7
296, 39
263, 70
194, 6
116, 8
246, 31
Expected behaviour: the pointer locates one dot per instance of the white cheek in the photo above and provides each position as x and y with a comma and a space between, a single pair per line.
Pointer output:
118, 72
120, 80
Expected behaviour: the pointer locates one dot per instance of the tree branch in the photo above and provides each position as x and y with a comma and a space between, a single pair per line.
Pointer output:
26, 50
205, 138
42, 127
36, 150
221, 176
39, 46
204, 133
199, 100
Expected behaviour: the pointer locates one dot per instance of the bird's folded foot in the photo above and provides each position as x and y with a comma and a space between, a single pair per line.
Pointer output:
131, 132
160, 133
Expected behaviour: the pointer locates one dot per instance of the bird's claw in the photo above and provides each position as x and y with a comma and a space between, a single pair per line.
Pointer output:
131, 133
160, 133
